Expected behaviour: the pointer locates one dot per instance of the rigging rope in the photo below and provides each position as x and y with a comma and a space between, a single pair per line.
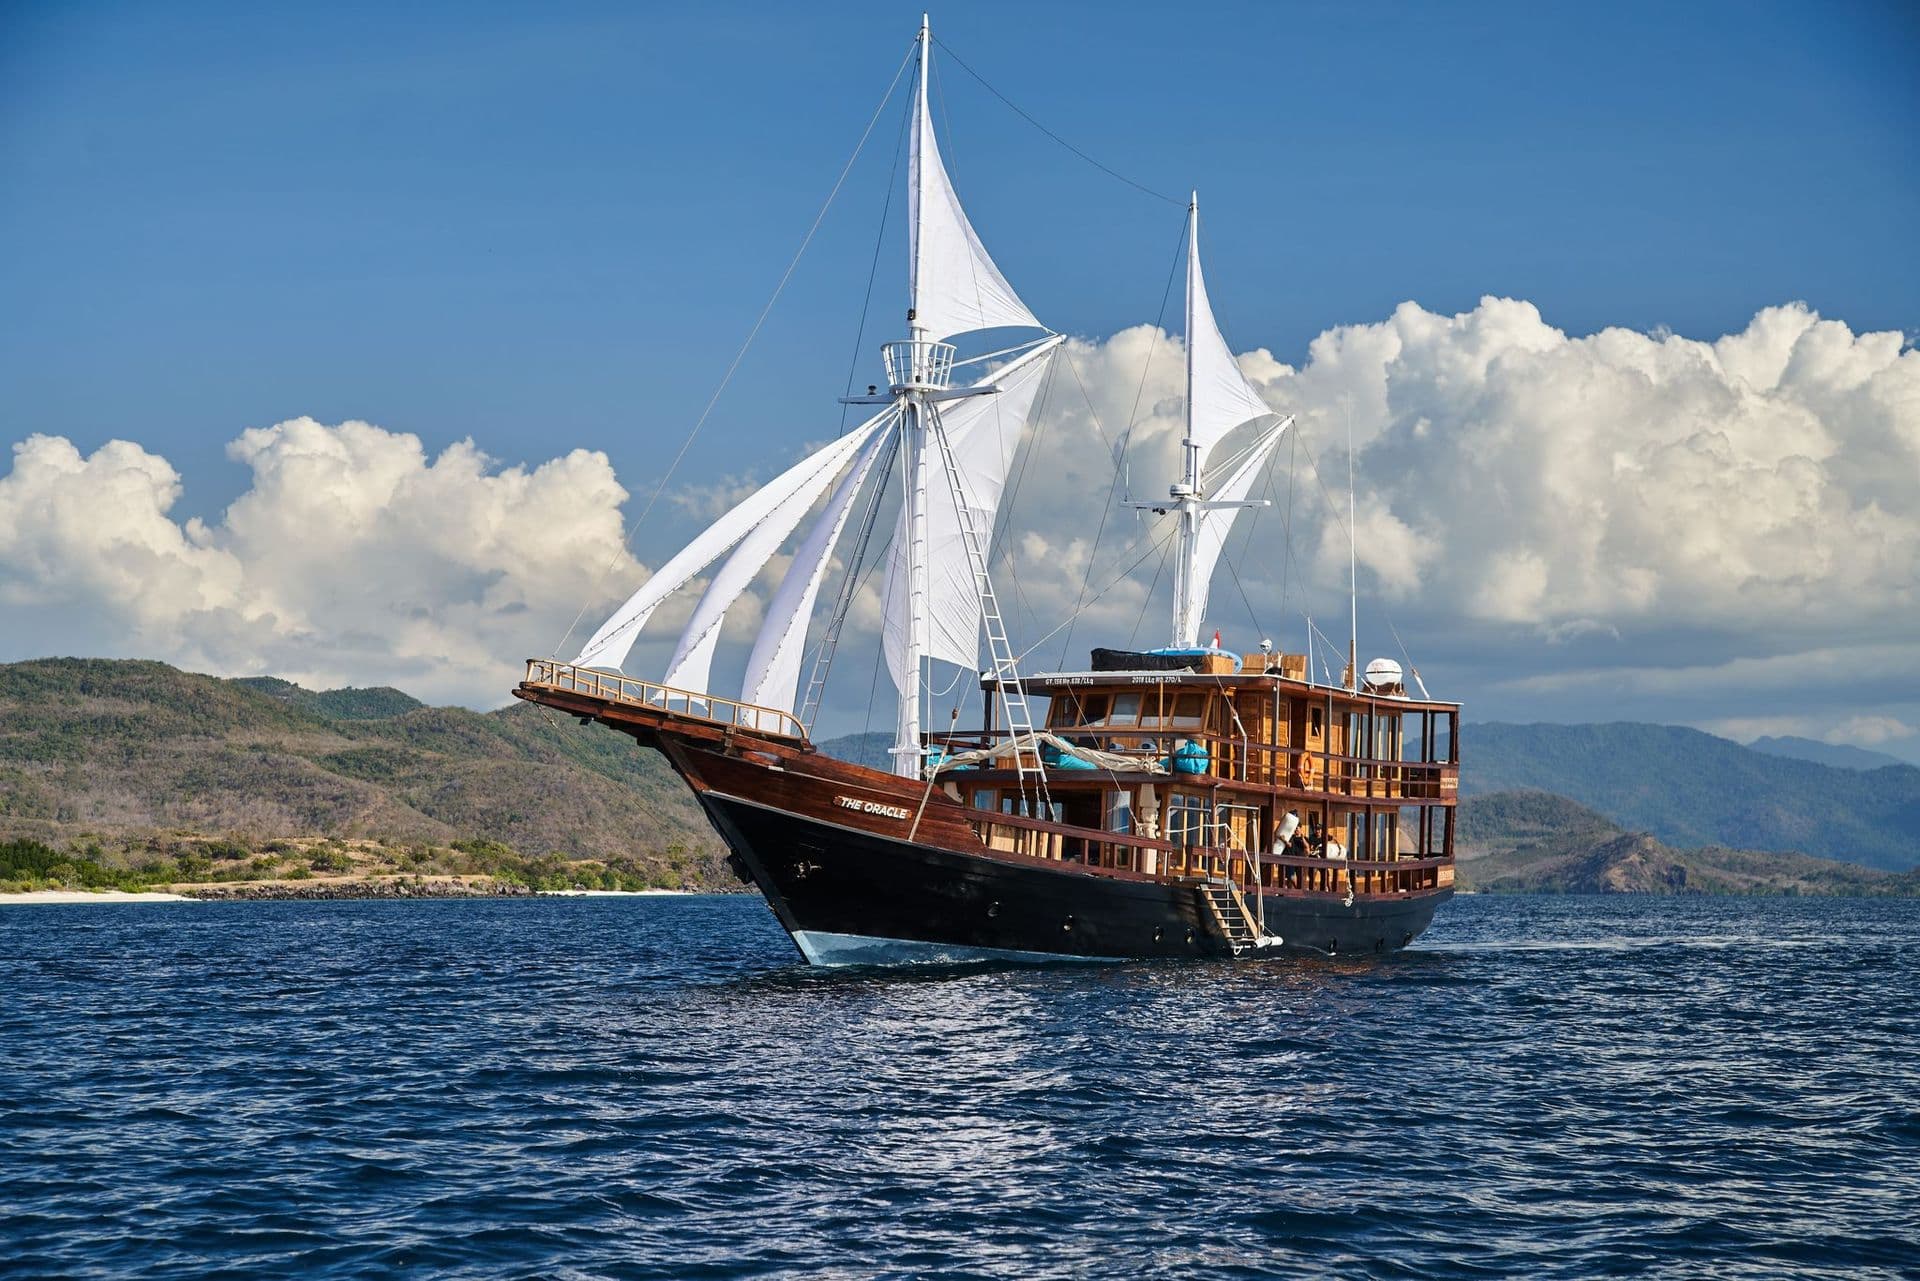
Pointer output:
627, 540
873, 271
1110, 172
1334, 508
1126, 438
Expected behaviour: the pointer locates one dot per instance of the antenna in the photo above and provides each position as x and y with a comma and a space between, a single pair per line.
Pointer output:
1353, 567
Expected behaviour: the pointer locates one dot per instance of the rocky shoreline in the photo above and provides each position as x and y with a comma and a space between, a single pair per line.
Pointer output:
391, 888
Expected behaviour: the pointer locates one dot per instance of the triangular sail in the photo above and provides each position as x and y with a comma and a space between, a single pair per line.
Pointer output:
1210, 535
955, 286
608, 647
691, 667
1219, 397
773, 669
983, 433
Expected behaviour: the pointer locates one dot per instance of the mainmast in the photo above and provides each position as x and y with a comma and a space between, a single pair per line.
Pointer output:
909, 387
939, 594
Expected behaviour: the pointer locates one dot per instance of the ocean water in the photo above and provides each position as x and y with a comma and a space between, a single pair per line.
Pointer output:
1545, 1087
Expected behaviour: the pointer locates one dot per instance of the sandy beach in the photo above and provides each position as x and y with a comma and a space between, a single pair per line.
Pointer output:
92, 896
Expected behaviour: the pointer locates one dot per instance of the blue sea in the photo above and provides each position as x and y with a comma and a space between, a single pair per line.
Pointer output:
655, 1087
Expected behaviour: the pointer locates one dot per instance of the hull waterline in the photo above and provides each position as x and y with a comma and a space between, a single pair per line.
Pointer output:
850, 897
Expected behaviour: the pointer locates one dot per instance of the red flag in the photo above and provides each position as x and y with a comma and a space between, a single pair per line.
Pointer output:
1216, 638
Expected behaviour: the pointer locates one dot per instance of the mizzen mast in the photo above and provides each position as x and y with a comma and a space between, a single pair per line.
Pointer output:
1219, 399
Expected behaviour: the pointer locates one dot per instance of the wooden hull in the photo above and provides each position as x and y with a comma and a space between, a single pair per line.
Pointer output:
865, 867
852, 897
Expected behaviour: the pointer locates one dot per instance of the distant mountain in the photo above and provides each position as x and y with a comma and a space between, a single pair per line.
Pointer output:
868, 749
1534, 842
1838, 755
1693, 789
140, 755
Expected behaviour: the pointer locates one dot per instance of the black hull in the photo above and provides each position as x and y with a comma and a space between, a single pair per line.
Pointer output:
853, 897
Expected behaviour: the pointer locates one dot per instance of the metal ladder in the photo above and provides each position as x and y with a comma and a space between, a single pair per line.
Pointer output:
1228, 911
1026, 749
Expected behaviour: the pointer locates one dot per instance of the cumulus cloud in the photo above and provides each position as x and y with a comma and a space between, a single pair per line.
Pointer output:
1698, 525
1869, 731
353, 557
1721, 531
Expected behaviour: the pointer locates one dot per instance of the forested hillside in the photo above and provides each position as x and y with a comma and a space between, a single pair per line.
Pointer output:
140, 756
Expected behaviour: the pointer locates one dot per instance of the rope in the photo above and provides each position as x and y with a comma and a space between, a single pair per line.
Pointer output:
1110, 172
1334, 508
1133, 419
738, 356
873, 271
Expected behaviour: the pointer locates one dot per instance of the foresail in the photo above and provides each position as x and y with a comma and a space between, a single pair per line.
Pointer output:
984, 434
610, 645
1210, 537
691, 667
1219, 397
955, 285
773, 669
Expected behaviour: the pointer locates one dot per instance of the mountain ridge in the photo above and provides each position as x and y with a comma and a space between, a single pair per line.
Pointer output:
145, 758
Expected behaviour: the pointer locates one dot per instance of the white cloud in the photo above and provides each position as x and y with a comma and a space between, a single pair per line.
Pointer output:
1869, 730
352, 558
1573, 520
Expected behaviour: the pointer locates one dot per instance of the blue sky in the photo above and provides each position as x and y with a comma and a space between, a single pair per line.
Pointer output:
548, 227
542, 224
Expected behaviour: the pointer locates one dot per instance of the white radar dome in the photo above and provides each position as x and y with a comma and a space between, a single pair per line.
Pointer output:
1383, 673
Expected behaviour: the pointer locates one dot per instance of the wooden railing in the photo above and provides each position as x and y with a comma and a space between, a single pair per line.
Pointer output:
1171, 861
615, 688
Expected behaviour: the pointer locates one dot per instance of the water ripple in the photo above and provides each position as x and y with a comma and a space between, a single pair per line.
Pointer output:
654, 1088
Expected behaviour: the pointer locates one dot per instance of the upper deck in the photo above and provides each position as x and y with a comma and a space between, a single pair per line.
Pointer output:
1262, 727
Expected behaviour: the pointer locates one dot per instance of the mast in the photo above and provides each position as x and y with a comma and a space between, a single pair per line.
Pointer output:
1186, 491
1219, 399
906, 744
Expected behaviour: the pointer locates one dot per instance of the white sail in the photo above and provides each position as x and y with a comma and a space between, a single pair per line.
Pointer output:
983, 434
691, 667
609, 646
954, 283
1219, 397
773, 669
1212, 524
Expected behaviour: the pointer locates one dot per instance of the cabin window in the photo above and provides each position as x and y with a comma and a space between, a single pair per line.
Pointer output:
1093, 709
1030, 807
1319, 724
1187, 711
1118, 812
1186, 820
983, 798
1126, 710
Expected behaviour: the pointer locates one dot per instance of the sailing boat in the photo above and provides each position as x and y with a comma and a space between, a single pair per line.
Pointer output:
1178, 802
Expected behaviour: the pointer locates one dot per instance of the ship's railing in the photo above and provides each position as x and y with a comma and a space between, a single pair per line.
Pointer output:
919, 364
1250, 871
613, 687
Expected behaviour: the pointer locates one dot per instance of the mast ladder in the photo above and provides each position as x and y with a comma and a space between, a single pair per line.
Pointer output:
1026, 748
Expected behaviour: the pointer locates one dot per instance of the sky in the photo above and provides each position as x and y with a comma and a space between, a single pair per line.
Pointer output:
343, 342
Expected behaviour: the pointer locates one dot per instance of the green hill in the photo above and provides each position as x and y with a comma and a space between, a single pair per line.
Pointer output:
1693, 789
140, 756
869, 749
